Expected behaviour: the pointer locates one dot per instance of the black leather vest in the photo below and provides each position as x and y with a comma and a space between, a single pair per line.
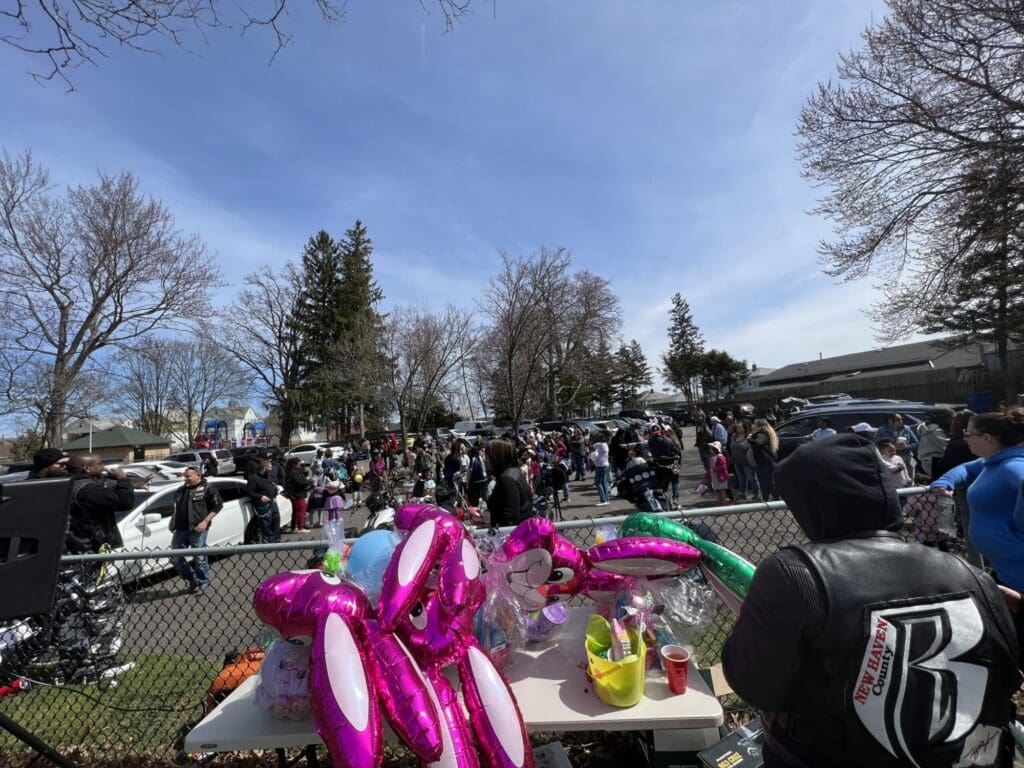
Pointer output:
915, 664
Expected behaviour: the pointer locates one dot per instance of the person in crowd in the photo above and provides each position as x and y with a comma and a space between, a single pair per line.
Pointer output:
739, 449
670, 433
893, 429
636, 457
196, 503
957, 452
211, 467
618, 452
262, 492
331, 464
379, 469
297, 485
718, 472
994, 483
97, 495
478, 478
453, 464
933, 436
560, 470
864, 649
334, 500
764, 455
578, 452
511, 500
718, 431
863, 429
894, 463
701, 441
315, 505
599, 456
824, 429
665, 455
48, 463
253, 462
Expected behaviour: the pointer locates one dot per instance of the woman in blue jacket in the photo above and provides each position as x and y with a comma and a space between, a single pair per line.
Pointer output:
995, 481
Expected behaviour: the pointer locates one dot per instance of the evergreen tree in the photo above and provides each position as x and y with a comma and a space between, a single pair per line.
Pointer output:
634, 372
360, 294
720, 373
984, 302
682, 361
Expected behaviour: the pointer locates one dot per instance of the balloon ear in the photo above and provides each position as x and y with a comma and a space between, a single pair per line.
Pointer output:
408, 572
532, 533
643, 556
344, 704
460, 585
528, 572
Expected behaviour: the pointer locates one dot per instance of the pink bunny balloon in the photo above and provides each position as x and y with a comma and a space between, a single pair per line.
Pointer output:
541, 566
431, 591
356, 668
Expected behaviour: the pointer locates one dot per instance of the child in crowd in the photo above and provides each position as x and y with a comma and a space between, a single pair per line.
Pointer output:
890, 455
718, 472
315, 509
636, 458
334, 502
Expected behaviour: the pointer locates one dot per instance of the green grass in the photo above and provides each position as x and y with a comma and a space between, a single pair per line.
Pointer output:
151, 707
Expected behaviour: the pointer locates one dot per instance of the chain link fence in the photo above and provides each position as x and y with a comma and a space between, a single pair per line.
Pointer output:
126, 666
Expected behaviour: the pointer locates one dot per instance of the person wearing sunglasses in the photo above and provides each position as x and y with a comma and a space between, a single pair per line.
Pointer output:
995, 493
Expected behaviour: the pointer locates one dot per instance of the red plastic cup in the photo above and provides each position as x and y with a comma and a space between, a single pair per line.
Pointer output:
676, 661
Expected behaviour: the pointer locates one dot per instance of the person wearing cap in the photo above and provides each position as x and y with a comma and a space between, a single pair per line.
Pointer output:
863, 429
48, 463
718, 431
863, 649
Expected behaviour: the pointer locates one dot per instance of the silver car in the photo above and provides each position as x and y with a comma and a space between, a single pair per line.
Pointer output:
198, 456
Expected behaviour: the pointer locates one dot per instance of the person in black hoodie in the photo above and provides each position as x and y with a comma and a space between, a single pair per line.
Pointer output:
262, 492
863, 649
97, 495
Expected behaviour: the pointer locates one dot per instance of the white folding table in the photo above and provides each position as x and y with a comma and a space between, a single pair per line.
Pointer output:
552, 689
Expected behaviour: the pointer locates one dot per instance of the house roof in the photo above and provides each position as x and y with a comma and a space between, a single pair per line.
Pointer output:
230, 411
904, 357
116, 437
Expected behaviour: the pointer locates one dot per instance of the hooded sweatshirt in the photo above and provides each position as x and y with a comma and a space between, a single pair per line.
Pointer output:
933, 444
841, 640
997, 509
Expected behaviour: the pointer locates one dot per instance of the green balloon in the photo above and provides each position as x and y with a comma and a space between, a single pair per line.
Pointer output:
733, 571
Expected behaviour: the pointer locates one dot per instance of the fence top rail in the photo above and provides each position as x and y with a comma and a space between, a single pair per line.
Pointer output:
310, 544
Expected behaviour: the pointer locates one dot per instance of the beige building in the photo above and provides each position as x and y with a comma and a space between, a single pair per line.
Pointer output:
120, 442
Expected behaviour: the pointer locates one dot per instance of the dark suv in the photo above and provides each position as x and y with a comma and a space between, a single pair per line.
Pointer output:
793, 432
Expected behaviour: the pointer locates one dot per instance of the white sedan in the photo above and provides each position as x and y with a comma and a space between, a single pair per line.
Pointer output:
147, 526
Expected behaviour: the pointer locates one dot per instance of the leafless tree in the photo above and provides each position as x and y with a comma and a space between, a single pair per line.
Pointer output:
88, 270
203, 375
168, 386
520, 339
417, 358
582, 310
65, 35
257, 330
936, 90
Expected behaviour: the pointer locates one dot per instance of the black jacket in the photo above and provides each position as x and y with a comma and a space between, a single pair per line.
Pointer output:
199, 500
297, 484
956, 453
511, 500
259, 486
94, 507
863, 649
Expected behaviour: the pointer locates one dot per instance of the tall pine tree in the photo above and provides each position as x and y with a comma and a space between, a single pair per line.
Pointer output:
682, 361
634, 372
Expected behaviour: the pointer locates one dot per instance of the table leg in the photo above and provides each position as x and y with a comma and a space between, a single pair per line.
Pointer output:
282, 758
311, 758
679, 747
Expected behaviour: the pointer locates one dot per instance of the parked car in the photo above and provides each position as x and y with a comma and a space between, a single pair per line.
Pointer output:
306, 451
165, 470
842, 415
147, 525
485, 434
225, 461
462, 427
637, 413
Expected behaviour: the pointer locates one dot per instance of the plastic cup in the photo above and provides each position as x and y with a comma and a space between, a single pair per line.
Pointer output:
676, 661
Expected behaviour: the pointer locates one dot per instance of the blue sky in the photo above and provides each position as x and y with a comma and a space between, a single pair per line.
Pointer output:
654, 140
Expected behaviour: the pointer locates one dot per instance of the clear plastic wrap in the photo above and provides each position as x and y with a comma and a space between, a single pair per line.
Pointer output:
282, 688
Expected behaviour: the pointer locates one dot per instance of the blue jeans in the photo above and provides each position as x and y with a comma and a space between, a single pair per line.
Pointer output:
747, 477
579, 464
270, 521
199, 569
766, 479
601, 482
